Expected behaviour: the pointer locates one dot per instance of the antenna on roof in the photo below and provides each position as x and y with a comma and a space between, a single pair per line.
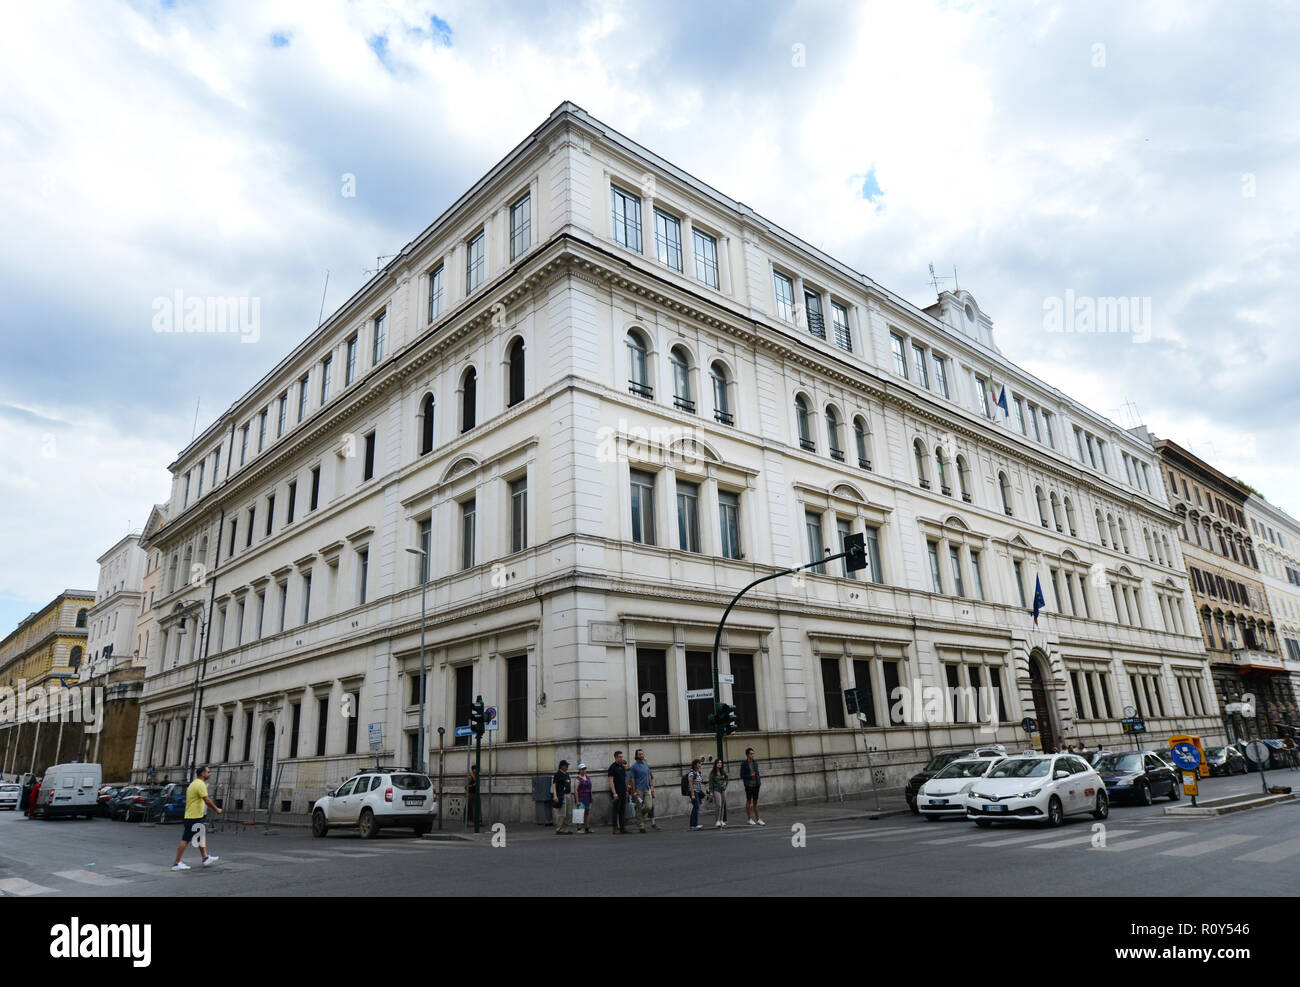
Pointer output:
321, 317
195, 430
956, 285
1132, 417
935, 279
379, 262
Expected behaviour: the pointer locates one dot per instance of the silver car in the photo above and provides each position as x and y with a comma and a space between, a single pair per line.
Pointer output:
10, 795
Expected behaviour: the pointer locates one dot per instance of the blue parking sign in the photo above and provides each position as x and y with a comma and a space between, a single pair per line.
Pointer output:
1186, 756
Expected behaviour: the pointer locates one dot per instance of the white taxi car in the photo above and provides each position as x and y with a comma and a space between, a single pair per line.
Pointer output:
944, 795
1046, 789
379, 798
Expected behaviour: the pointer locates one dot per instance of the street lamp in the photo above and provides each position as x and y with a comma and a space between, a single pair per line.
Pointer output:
424, 582
192, 732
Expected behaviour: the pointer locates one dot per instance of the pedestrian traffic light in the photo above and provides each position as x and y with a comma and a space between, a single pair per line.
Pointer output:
724, 720
855, 552
478, 717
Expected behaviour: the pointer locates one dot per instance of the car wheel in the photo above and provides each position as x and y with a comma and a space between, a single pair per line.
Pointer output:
1144, 793
1103, 806
319, 827
984, 823
367, 826
1055, 813
912, 805
1175, 792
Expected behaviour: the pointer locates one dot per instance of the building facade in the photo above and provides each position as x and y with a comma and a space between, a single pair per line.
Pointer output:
1232, 607
1277, 544
38, 660
601, 398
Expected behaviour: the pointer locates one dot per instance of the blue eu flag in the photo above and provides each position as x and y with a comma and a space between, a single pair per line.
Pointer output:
1002, 402
1039, 602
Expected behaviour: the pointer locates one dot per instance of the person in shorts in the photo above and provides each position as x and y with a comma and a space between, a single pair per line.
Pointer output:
749, 777
196, 801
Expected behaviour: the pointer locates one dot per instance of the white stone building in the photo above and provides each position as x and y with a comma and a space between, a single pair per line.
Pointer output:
605, 397
1277, 539
111, 639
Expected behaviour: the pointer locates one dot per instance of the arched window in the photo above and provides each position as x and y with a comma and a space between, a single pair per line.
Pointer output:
1042, 506
1169, 551
468, 399
681, 362
81, 618
426, 425
189, 563
1123, 535
918, 450
638, 369
1056, 511
721, 399
805, 423
203, 551
1069, 517
833, 433
1005, 486
1114, 531
861, 440
516, 373
941, 472
1151, 549
963, 478
1101, 529
74, 657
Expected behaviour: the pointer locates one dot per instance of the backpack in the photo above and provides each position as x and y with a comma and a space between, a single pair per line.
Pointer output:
687, 788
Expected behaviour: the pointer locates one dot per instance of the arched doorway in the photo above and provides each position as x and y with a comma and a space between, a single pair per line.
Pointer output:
268, 763
1038, 687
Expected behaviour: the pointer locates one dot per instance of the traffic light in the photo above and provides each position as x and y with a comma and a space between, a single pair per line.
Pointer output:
478, 717
855, 552
725, 719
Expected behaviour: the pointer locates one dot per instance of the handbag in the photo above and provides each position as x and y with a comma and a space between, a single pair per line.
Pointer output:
579, 814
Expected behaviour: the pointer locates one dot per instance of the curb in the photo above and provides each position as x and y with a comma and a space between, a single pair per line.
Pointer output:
1219, 810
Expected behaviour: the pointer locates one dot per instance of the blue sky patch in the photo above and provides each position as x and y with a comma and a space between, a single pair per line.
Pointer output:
279, 40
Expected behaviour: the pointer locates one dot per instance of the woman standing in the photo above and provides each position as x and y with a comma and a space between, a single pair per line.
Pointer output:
695, 781
584, 797
718, 786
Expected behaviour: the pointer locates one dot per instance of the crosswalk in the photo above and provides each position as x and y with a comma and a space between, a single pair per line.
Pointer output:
1161, 838
120, 875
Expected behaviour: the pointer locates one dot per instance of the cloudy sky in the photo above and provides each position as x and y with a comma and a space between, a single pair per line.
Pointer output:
1100, 149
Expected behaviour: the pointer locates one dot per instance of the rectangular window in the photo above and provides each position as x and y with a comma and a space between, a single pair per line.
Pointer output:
293, 499
230, 736
874, 572
816, 547
261, 614
464, 699
744, 691
521, 227
643, 508
284, 603
203, 468
368, 472
1033, 421
322, 724
954, 556
516, 699
475, 263
306, 597
315, 488
784, 289
1078, 441
1020, 582
234, 530
668, 240
932, 550
468, 511
303, 383
326, 367
1047, 429
626, 219
243, 445
519, 514
900, 357
354, 717
729, 515
843, 529
1020, 415
248, 735
261, 431
812, 304
380, 339
435, 292
699, 675
426, 543
363, 574
976, 575
270, 514
293, 730
216, 466
840, 326
252, 515
862, 682
239, 622
832, 693
185, 499
941, 376
706, 259
282, 415
688, 516
982, 386
350, 365
652, 681
922, 375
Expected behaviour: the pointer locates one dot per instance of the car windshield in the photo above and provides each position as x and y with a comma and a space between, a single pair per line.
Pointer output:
1119, 762
1215, 751
1022, 767
10, 788
943, 760
412, 782
964, 769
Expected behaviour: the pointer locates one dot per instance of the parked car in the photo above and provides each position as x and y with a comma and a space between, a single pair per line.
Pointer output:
944, 795
378, 799
69, 790
941, 761
119, 804
11, 793
1225, 761
1138, 776
1038, 789
105, 795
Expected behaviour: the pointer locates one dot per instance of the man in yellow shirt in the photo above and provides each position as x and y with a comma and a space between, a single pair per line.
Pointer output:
196, 798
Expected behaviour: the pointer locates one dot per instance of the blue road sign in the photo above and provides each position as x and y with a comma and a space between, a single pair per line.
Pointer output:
1186, 756
464, 731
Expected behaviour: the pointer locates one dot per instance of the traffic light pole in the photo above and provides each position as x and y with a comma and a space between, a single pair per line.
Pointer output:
477, 722
719, 727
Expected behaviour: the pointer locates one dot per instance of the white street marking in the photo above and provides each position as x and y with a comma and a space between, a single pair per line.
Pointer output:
89, 877
17, 886
1207, 846
1272, 854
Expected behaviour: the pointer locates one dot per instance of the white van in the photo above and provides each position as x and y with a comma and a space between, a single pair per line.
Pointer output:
69, 790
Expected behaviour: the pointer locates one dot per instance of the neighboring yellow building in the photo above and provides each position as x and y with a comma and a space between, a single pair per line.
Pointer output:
48, 645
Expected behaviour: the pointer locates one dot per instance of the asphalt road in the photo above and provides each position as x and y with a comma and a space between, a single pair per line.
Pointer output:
1145, 853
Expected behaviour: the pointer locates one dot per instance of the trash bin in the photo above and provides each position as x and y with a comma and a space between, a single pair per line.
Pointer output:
542, 808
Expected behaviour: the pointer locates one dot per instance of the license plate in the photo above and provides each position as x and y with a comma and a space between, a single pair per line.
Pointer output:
413, 800
995, 808
938, 801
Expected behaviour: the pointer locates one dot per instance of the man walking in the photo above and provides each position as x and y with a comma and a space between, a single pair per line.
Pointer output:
643, 790
749, 777
618, 789
562, 799
196, 799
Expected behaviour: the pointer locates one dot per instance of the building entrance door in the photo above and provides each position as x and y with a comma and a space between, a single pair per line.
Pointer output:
268, 762
1042, 708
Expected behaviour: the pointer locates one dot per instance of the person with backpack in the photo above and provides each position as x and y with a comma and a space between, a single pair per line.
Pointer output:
718, 786
693, 789
562, 799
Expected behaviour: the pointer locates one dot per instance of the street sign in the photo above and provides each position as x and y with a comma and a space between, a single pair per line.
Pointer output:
490, 713
1186, 756
464, 731
1189, 784
1133, 724
376, 736
1028, 724
494, 724
699, 694
725, 678
1257, 751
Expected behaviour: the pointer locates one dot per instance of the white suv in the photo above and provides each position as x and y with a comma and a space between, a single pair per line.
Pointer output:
376, 799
